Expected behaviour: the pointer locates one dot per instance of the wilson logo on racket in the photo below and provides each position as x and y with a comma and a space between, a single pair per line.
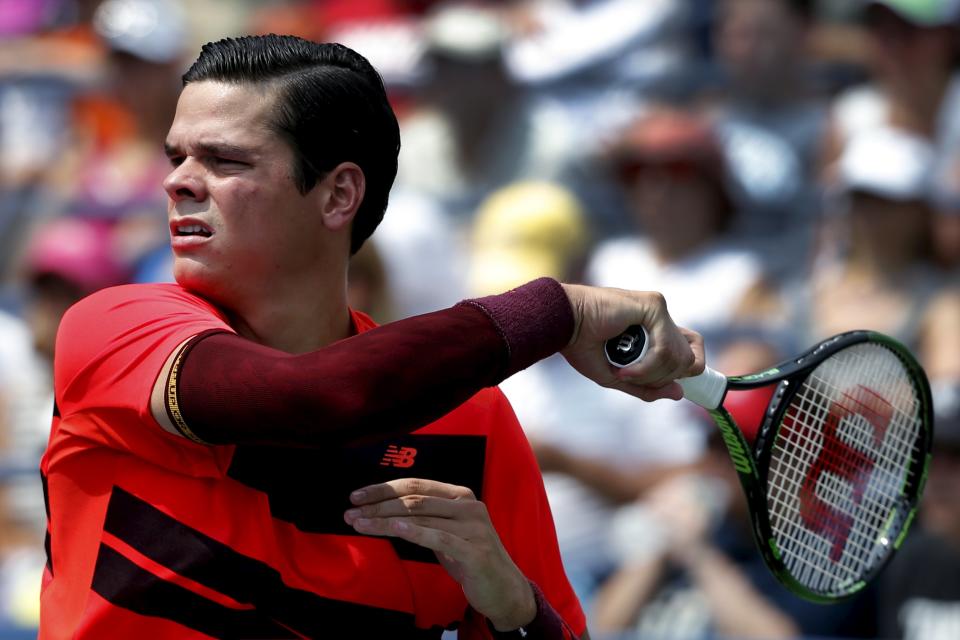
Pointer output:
843, 461
738, 455
401, 457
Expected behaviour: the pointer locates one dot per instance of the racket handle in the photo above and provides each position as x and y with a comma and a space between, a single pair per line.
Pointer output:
706, 389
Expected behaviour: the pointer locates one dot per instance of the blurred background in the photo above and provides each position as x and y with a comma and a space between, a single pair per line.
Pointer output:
781, 170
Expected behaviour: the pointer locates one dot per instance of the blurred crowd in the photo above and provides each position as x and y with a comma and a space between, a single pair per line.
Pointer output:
782, 170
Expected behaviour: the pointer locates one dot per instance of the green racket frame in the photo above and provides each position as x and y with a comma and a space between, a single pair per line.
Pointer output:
752, 462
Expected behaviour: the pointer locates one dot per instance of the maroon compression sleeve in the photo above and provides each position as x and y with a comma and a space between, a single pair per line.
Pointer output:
391, 379
547, 625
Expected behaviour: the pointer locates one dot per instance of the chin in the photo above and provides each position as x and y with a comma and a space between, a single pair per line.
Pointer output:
197, 279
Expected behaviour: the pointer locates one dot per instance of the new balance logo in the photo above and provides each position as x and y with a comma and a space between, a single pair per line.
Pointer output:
398, 457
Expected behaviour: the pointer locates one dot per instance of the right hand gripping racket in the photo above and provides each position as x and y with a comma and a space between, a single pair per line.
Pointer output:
840, 459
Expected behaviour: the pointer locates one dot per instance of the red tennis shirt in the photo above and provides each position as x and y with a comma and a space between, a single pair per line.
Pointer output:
154, 536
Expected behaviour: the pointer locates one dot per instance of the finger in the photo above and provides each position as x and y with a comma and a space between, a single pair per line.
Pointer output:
647, 393
696, 344
678, 355
418, 505
395, 526
409, 486
436, 539
660, 367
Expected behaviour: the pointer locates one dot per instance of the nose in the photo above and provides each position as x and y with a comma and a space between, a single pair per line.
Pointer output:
185, 182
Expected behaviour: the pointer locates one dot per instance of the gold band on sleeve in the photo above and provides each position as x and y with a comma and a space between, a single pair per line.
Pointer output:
172, 401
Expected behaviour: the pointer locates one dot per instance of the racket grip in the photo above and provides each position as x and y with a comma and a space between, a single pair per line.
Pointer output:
706, 389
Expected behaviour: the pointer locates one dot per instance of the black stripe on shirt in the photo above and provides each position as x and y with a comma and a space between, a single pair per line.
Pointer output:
46, 537
122, 583
216, 566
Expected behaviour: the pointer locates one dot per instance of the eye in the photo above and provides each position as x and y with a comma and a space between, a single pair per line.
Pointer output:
228, 163
176, 161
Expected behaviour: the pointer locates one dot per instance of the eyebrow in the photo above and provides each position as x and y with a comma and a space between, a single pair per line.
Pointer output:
212, 149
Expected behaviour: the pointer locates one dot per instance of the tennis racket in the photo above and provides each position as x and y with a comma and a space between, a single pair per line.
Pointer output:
840, 459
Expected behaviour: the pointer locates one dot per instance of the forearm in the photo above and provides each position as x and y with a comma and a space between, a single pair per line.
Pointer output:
392, 379
626, 592
738, 609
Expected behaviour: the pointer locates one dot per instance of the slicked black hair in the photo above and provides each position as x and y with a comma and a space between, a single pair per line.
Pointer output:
331, 107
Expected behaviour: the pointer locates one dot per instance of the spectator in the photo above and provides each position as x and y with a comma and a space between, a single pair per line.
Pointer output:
673, 171
476, 130
115, 158
66, 260
878, 272
595, 453
770, 121
423, 253
920, 590
45, 59
913, 85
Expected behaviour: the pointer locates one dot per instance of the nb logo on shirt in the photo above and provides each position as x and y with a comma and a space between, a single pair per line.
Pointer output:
398, 457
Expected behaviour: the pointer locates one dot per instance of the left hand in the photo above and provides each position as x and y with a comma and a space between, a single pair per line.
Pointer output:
451, 521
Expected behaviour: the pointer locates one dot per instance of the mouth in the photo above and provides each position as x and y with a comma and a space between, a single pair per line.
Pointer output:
191, 230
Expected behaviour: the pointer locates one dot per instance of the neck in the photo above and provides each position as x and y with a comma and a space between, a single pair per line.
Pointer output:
870, 262
678, 248
295, 319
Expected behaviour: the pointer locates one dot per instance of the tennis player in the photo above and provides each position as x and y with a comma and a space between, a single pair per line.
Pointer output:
241, 455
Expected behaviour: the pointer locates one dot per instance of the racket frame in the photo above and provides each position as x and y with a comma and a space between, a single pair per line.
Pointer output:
752, 462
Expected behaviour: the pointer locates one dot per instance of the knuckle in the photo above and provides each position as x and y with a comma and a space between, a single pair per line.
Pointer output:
414, 504
414, 485
658, 352
445, 539
478, 509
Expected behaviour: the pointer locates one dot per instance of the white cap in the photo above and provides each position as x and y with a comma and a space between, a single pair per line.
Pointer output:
887, 162
153, 30
465, 31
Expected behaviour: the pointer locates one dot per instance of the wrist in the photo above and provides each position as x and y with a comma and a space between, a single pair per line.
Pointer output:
575, 298
545, 624
522, 613
535, 320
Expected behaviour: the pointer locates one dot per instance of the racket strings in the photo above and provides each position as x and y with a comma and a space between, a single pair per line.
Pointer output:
834, 495
840, 460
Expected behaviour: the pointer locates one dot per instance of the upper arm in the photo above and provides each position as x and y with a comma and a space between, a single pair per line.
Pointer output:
941, 337
158, 396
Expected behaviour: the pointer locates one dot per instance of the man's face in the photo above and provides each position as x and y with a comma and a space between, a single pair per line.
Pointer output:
238, 224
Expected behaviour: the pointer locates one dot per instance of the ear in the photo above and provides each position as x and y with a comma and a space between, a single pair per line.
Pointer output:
341, 195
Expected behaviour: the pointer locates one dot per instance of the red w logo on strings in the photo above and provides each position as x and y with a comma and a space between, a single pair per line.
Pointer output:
840, 459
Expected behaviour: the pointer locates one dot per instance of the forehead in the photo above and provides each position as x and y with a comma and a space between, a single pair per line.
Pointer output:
239, 114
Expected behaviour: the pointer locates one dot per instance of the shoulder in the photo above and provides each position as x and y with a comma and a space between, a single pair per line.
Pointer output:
858, 108
729, 259
136, 294
123, 322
